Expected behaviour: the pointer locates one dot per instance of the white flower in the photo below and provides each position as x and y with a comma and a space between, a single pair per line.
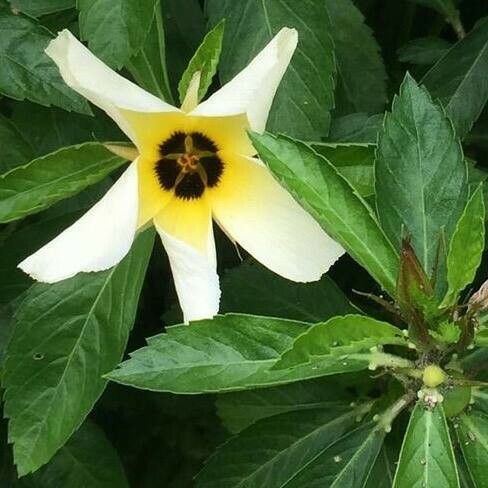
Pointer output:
194, 163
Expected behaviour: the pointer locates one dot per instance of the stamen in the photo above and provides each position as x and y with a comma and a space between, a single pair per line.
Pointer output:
189, 163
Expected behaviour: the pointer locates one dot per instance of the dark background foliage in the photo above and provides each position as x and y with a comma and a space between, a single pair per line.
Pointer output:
163, 439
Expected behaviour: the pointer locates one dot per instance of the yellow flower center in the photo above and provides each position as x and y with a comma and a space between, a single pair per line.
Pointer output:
189, 163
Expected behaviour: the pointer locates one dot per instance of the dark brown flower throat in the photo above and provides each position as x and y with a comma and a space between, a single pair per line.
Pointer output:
189, 163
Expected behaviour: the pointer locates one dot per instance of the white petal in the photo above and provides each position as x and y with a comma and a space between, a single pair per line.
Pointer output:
252, 90
185, 229
266, 221
90, 77
97, 241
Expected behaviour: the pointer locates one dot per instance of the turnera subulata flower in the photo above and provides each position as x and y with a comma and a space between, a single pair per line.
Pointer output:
193, 164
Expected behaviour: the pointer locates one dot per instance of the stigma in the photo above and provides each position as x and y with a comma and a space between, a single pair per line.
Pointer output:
188, 164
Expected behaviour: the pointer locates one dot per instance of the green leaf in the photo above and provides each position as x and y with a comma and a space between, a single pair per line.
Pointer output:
306, 95
427, 457
48, 129
425, 50
252, 288
241, 409
331, 200
204, 60
383, 471
323, 447
420, 174
337, 337
66, 336
36, 8
466, 247
184, 31
472, 433
15, 149
353, 161
88, 459
459, 78
361, 76
37, 185
27, 72
115, 29
148, 66
229, 352
356, 128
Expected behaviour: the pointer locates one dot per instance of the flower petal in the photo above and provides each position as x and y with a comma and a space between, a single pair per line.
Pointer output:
185, 227
90, 77
97, 241
266, 221
252, 90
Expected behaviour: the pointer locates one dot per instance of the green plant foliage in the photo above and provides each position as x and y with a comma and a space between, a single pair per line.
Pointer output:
87, 459
148, 65
427, 457
361, 76
66, 337
319, 187
244, 349
16, 149
205, 61
420, 174
353, 161
372, 376
30, 188
253, 289
425, 50
115, 29
472, 433
241, 409
466, 247
458, 78
328, 442
36, 8
339, 336
305, 98
27, 71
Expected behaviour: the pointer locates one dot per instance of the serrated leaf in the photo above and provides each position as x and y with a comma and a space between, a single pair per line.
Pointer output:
241, 409
88, 459
339, 336
36, 8
321, 448
420, 174
148, 65
115, 29
424, 50
472, 433
66, 336
361, 75
37, 185
353, 161
305, 97
205, 60
27, 72
466, 247
459, 78
230, 352
16, 150
427, 457
330, 199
